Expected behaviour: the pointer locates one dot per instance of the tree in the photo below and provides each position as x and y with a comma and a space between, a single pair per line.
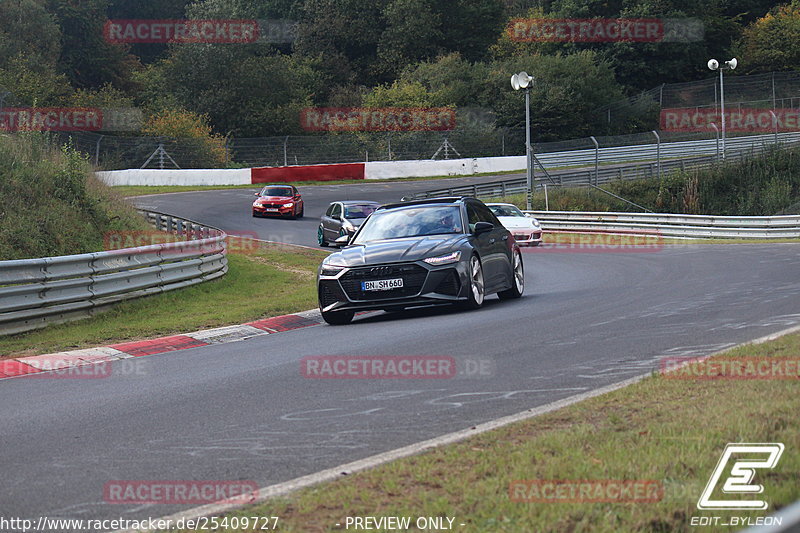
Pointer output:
639, 65
136, 9
343, 35
401, 94
413, 33
452, 78
469, 27
27, 30
88, 60
562, 103
773, 41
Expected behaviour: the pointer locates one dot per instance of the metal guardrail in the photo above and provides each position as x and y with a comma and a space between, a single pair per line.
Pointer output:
37, 292
737, 149
671, 225
677, 149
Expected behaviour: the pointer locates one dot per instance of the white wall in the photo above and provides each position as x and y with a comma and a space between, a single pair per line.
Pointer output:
375, 170
379, 170
236, 176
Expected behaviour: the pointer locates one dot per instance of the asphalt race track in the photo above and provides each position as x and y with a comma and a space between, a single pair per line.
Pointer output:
243, 411
230, 209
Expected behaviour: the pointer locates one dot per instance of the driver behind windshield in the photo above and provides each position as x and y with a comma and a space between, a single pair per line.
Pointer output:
444, 224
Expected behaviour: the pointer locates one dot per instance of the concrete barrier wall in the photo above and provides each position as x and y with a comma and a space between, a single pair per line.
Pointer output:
237, 176
377, 170
343, 171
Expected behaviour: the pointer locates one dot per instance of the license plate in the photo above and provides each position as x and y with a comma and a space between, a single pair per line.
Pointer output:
382, 285
271, 210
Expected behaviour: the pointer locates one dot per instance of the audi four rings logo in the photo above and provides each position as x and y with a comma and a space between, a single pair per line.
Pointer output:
380, 271
740, 479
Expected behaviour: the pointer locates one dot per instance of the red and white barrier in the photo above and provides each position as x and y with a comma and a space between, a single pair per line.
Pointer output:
375, 170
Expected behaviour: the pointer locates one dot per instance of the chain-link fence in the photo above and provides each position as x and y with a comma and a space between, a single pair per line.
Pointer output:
476, 135
773, 90
112, 153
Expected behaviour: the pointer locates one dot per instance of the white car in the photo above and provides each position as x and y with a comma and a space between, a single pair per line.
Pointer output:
525, 228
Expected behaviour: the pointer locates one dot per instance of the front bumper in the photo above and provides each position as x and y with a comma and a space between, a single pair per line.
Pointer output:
423, 284
263, 211
528, 238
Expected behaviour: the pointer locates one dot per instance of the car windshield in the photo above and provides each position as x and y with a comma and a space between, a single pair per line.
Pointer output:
276, 191
410, 222
506, 211
358, 211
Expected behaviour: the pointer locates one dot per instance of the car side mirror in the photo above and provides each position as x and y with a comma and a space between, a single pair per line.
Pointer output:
528, 215
483, 227
343, 240
257, 194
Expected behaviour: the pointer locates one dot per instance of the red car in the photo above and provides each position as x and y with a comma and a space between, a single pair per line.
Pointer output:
278, 200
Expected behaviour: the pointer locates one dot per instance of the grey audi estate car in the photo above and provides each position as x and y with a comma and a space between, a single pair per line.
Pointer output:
434, 251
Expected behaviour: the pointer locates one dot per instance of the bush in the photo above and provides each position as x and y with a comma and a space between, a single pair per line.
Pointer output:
203, 149
51, 202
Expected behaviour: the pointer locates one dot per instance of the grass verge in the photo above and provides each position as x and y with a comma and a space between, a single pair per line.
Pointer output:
672, 431
269, 282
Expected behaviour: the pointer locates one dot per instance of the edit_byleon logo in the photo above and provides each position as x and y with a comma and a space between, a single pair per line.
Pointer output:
746, 459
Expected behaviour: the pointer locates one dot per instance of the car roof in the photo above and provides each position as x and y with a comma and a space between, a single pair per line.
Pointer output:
501, 203
427, 201
356, 202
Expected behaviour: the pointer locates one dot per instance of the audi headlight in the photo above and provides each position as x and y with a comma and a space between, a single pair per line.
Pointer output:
331, 268
444, 259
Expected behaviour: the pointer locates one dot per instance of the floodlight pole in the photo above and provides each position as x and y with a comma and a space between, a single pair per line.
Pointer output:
713, 64
722, 107
528, 149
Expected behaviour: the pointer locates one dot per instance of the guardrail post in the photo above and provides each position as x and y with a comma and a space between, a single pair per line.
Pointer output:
658, 152
596, 159
716, 129
97, 152
774, 117
503, 187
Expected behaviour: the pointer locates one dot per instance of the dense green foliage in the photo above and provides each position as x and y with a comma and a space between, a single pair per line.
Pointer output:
348, 52
50, 202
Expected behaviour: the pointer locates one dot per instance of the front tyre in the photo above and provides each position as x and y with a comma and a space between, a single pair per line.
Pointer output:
518, 281
338, 318
321, 237
300, 214
477, 290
